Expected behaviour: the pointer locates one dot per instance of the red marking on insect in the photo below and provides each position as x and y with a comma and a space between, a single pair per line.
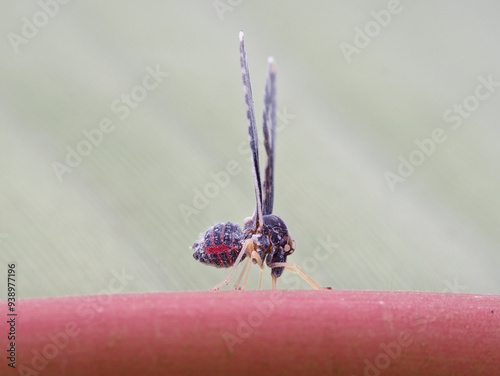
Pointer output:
218, 249
219, 246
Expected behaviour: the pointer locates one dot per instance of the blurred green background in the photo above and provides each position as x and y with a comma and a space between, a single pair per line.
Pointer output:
116, 220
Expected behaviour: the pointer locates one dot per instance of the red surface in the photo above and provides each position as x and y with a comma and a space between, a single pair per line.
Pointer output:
258, 333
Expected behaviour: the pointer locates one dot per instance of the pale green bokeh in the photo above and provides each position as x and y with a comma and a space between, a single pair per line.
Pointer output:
119, 210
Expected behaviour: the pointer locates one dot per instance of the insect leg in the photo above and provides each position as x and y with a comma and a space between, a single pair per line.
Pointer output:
246, 249
249, 265
294, 268
241, 274
254, 256
261, 275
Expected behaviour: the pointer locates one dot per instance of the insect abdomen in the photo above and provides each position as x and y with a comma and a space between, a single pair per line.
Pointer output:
219, 246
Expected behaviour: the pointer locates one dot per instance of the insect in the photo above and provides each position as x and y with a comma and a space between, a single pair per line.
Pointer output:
265, 237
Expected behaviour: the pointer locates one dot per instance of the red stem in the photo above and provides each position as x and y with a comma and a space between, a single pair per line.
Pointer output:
258, 333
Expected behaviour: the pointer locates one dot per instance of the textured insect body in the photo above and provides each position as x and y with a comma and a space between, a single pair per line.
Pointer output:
265, 238
220, 245
281, 242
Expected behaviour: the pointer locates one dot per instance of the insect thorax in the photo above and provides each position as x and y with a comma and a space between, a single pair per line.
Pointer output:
274, 244
282, 243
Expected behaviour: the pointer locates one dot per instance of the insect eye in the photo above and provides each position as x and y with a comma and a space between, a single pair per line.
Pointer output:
290, 246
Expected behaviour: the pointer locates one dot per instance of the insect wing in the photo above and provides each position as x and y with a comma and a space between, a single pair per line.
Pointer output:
269, 129
252, 133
